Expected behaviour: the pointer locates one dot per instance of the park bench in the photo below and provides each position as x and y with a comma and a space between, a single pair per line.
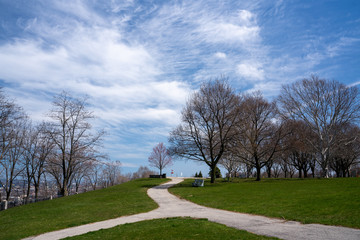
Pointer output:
158, 176
198, 183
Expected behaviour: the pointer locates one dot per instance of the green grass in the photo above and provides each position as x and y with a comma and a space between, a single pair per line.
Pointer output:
125, 199
171, 228
325, 201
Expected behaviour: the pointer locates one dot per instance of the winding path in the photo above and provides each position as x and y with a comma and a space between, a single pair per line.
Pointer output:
171, 206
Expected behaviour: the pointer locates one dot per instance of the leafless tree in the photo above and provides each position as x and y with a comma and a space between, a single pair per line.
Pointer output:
75, 142
324, 106
37, 148
260, 132
12, 128
111, 173
142, 172
160, 157
277, 170
45, 152
81, 172
93, 175
231, 164
31, 148
299, 151
346, 154
11, 164
208, 122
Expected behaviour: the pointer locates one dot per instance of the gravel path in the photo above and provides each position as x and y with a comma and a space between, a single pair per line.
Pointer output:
171, 206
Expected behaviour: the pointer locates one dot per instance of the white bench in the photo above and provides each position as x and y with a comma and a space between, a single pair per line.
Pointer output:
198, 183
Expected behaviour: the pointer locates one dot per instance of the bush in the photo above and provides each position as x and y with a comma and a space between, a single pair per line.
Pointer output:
217, 173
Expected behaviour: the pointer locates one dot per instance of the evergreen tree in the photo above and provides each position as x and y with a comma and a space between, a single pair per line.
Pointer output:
217, 173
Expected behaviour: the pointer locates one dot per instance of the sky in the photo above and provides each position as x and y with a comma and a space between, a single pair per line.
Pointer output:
138, 61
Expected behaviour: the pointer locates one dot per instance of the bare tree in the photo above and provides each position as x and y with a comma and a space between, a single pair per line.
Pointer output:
160, 157
142, 172
324, 106
208, 122
31, 148
75, 143
12, 121
93, 175
299, 151
111, 173
276, 169
346, 154
81, 172
260, 132
231, 164
12, 162
45, 152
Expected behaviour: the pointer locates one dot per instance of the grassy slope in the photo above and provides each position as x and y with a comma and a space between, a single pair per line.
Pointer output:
171, 228
326, 201
125, 199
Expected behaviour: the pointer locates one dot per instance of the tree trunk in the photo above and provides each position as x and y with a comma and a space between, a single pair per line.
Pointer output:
64, 191
305, 173
268, 172
212, 171
27, 192
36, 191
313, 172
347, 172
337, 172
258, 172
248, 171
8, 190
324, 166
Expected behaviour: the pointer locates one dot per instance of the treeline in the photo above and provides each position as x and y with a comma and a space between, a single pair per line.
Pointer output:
51, 157
311, 128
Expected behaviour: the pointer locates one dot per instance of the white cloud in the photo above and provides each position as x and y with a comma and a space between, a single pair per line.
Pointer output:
78, 9
120, 5
229, 33
124, 79
251, 71
156, 116
232, 29
98, 55
246, 17
220, 55
334, 49
354, 83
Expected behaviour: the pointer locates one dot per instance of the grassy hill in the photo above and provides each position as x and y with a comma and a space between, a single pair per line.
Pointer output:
125, 199
325, 201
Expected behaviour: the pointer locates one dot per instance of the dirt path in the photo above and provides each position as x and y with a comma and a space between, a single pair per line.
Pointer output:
171, 206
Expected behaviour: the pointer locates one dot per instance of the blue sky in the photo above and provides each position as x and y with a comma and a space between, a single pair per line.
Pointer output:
138, 61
